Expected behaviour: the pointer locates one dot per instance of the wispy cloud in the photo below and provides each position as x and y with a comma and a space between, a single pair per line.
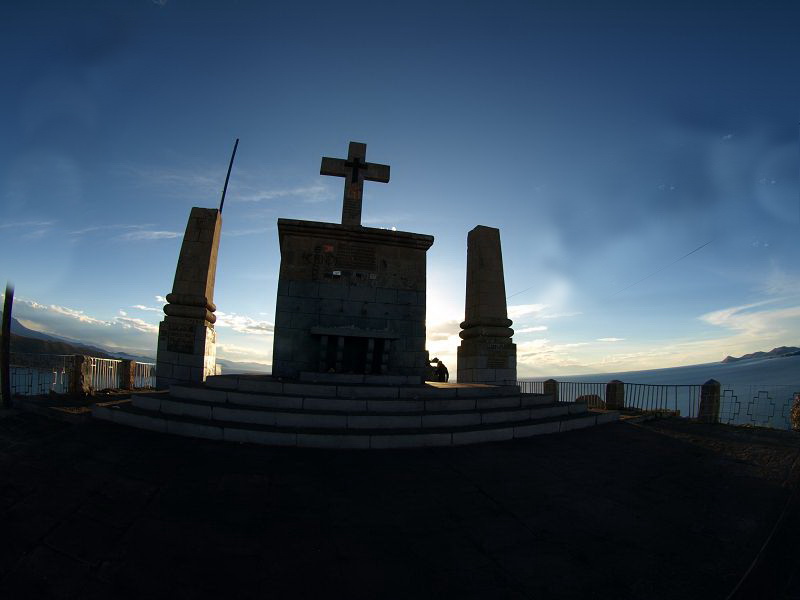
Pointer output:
780, 283
542, 353
145, 235
242, 353
560, 315
146, 308
443, 330
253, 231
244, 324
72, 313
117, 332
531, 329
111, 226
515, 311
36, 234
133, 233
177, 180
138, 324
308, 193
21, 224
610, 339
754, 323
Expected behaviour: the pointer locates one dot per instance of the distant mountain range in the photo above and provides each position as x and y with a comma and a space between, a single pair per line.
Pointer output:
26, 340
774, 353
29, 341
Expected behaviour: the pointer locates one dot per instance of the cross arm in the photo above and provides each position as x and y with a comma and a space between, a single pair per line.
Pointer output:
333, 166
376, 172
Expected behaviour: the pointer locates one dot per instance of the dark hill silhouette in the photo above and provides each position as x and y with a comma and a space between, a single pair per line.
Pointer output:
26, 340
28, 345
774, 353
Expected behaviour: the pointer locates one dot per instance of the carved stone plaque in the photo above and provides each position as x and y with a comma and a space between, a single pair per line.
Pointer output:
355, 256
180, 338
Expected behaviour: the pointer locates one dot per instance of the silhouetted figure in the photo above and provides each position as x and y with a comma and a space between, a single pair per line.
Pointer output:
442, 374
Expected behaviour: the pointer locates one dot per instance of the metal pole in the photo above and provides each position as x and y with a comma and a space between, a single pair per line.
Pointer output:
228, 176
5, 346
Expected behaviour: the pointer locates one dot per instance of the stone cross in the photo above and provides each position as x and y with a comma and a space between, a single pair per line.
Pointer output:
355, 169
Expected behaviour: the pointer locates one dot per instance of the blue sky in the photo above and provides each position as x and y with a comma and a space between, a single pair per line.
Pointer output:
605, 141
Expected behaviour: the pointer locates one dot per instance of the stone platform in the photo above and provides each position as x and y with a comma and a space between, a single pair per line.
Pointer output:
339, 412
660, 510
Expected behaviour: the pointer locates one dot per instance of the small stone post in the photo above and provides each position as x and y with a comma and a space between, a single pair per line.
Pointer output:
80, 379
709, 402
794, 416
615, 395
127, 370
551, 388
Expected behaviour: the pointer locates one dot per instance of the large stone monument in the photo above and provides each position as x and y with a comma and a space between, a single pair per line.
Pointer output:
351, 299
186, 336
487, 353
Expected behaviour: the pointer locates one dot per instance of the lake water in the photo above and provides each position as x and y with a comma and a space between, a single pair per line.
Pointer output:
763, 371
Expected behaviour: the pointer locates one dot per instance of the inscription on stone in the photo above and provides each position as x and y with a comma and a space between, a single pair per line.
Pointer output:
180, 338
497, 356
321, 261
496, 361
355, 256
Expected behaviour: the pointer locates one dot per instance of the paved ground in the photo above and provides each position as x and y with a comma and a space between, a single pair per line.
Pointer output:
666, 509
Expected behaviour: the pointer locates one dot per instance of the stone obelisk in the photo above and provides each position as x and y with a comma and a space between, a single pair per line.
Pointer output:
186, 337
487, 353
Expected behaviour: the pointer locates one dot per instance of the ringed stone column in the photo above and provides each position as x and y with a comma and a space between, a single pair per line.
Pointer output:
486, 354
186, 337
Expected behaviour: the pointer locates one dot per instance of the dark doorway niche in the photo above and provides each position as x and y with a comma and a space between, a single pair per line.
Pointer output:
354, 355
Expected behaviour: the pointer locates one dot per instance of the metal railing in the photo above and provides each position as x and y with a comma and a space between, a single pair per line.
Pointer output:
593, 394
531, 387
104, 373
739, 404
683, 399
144, 376
757, 405
40, 374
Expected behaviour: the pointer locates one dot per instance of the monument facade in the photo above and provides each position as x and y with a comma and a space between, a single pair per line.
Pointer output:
487, 353
351, 299
186, 338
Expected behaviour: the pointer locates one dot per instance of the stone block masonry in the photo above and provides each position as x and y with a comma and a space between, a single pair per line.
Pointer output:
350, 300
186, 337
486, 354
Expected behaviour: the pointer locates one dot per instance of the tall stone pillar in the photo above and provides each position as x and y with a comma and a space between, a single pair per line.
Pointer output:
186, 337
487, 353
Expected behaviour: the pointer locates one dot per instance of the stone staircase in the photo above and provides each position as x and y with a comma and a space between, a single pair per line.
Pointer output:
350, 412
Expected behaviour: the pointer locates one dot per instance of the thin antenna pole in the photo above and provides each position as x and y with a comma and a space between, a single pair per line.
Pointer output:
228, 176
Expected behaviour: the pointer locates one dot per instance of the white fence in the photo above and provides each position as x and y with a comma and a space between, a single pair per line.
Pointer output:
42, 374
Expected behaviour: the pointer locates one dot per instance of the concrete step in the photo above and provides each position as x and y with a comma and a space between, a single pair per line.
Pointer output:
434, 399
343, 378
263, 384
348, 417
345, 438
